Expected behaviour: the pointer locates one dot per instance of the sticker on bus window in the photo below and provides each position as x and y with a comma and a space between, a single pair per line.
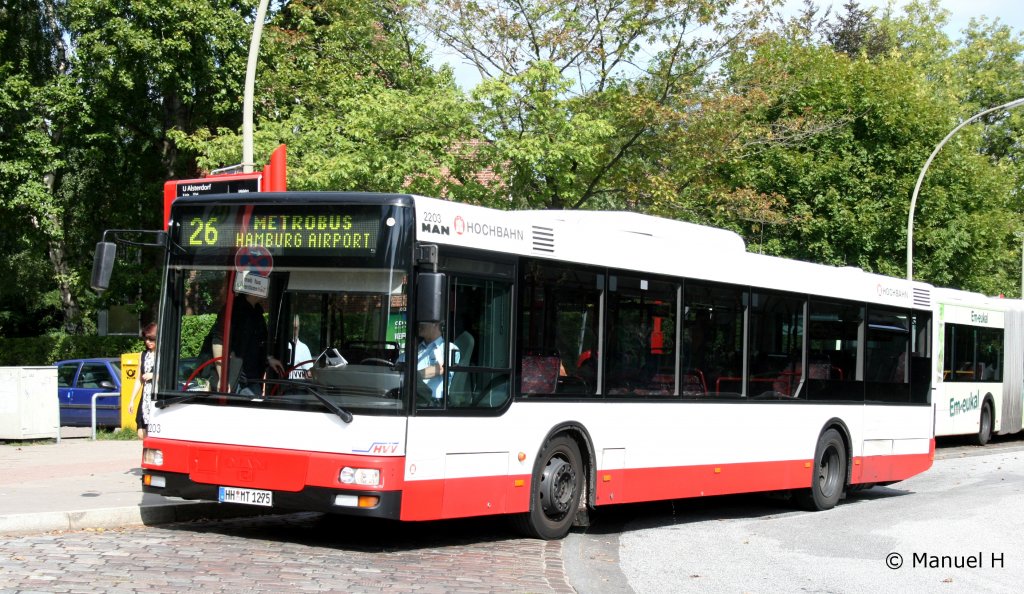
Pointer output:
251, 283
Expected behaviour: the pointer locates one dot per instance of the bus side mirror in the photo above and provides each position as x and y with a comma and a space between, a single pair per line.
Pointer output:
103, 265
430, 287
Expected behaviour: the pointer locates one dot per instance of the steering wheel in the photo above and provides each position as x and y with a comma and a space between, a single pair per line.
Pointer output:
199, 368
377, 361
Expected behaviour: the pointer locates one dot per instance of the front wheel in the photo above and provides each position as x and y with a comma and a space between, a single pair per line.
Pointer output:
829, 473
555, 491
984, 425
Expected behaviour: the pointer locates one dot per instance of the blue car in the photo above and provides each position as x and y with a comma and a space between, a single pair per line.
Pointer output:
78, 380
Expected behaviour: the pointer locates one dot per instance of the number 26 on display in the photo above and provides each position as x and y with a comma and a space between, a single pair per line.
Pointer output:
204, 231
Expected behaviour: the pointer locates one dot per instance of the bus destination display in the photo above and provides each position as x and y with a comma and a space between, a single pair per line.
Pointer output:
336, 230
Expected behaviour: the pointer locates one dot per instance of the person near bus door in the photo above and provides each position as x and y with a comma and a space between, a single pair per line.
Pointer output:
144, 381
300, 359
248, 342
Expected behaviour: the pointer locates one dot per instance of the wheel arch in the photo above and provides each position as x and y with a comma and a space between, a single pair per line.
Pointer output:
576, 431
844, 432
990, 399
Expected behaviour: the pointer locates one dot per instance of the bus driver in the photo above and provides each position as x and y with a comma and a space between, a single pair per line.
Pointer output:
430, 359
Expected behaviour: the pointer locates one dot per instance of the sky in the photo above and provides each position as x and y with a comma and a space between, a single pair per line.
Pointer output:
1009, 12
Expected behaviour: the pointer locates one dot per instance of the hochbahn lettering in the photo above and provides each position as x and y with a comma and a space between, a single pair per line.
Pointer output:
431, 223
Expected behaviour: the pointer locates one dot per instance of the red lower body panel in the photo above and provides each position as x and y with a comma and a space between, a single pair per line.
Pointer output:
271, 469
286, 470
884, 469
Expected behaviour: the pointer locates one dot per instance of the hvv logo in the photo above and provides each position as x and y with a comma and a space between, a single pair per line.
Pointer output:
380, 447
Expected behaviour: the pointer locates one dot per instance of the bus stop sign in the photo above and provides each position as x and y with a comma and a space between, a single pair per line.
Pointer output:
232, 185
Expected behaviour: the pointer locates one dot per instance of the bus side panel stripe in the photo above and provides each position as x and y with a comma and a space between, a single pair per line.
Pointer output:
465, 497
881, 469
652, 484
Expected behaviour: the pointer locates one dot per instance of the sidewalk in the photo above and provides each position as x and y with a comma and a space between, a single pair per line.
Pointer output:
79, 483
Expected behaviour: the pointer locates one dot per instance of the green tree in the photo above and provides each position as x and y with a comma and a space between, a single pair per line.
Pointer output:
847, 187
90, 89
349, 89
33, 61
578, 99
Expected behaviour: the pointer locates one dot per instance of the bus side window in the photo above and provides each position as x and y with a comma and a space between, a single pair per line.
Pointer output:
480, 324
559, 316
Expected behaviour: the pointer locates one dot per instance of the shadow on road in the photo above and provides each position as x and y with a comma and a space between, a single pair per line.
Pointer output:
358, 534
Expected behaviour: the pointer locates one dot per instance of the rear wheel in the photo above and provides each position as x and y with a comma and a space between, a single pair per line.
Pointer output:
984, 425
829, 473
555, 491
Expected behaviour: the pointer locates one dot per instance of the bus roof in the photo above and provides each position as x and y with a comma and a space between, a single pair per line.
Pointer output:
633, 241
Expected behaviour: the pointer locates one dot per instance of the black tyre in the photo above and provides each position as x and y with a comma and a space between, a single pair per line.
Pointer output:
555, 491
829, 473
984, 425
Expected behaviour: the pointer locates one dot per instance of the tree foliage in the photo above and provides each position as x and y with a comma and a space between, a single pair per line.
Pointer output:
349, 90
805, 134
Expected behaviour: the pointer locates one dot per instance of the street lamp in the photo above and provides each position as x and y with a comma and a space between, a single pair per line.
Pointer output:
920, 178
250, 85
1020, 235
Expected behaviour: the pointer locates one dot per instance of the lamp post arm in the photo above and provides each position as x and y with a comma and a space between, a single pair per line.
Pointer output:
920, 178
250, 86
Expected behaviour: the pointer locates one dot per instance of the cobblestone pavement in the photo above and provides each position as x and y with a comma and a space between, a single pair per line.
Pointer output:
285, 553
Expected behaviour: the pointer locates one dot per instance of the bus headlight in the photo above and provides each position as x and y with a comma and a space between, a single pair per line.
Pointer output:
369, 477
153, 457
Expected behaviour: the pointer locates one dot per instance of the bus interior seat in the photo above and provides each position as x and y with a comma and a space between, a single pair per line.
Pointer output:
539, 374
458, 387
465, 342
694, 383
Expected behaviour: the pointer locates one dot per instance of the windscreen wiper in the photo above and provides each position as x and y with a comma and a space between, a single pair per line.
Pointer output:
344, 414
330, 404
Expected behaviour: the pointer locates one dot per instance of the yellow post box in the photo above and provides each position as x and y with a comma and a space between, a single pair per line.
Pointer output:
129, 371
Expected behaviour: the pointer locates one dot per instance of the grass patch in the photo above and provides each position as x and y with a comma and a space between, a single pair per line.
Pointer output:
124, 434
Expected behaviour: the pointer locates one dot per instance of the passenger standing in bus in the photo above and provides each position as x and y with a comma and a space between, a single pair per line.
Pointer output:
301, 358
430, 360
248, 342
144, 381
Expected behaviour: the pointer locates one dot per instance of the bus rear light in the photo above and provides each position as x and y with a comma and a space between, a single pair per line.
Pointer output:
154, 481
356, 500
153, 457
369, 477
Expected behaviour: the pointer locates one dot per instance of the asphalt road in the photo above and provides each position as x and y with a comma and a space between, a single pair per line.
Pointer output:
957, 528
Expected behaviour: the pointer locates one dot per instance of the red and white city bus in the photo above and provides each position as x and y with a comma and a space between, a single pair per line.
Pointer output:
586, 359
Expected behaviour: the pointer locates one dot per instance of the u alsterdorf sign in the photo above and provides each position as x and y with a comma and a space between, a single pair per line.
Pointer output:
231, 185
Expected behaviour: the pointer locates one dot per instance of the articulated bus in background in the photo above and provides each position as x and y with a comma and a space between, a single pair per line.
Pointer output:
980, 362
593, 358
